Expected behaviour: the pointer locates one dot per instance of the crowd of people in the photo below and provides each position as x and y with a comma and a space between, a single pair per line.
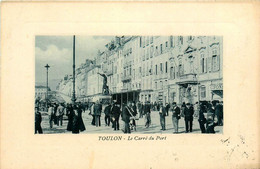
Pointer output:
209, 114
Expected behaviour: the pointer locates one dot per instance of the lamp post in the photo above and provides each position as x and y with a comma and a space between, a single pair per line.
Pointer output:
73, 66
47, 68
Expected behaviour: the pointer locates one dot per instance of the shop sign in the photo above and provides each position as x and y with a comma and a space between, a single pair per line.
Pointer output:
218, 86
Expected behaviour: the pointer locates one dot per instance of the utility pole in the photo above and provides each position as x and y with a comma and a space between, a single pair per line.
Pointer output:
73, 92
47, 67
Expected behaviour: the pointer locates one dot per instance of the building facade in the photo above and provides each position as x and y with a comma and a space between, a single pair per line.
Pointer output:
155, 69
40, 92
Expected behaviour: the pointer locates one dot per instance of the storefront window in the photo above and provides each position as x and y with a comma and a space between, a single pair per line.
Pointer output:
203, 92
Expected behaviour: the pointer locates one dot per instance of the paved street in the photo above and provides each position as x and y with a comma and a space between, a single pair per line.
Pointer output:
153, 129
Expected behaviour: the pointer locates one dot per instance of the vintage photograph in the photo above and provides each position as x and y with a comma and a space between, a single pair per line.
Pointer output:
129, 84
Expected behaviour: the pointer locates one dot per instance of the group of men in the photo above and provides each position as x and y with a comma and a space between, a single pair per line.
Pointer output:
56, 113
213, 113
113, 112
206, 112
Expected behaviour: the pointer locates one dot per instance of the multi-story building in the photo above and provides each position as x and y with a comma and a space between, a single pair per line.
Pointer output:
94, 83
40, 92
196, 69
168, 68
156, 69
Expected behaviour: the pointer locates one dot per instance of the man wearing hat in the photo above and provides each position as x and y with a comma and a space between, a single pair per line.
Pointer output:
37, 121
107, 112
175, 116
115, 114
188, 117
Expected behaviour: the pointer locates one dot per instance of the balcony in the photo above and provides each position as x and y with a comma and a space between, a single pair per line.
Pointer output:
187, 79
126, 78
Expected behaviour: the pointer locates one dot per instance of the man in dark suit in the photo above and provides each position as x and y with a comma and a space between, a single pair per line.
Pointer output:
188, 117
97, 113
37, 122
176, 115
147, 113
115, 114
219, 113
107, 112
126, 117
167, 109
162, 113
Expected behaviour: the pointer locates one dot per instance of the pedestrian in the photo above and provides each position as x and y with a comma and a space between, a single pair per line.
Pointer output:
107, 112
211, 124
37, 121
176, 115
133, 111
188, 117
92, 113
55, 113
167, 109
69, 113
51, 115
219, 113
115, 115
158, 107
141, 110
202, 120
196, 109
60, 114
97, 113
126, 117
75, 121
183, 106
81, 123
147, 113
162, 113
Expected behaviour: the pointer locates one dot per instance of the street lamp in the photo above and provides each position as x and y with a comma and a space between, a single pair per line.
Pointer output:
47, 67
73, 92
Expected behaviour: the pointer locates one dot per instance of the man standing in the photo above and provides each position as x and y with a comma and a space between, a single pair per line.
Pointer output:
107, 114
51, 115
188, 117
97, 113
140, 109
133, 110
55, 113
196, 109
167, 109
147, 112
202, 120
175, 117
162, 113
126, 117
37, 121
115, 114
60, 114
92, 113
219, 113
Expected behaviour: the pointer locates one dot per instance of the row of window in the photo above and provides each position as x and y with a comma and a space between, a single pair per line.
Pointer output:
160, 84
207, 64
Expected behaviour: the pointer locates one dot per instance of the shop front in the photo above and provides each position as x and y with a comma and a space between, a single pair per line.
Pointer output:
217, 91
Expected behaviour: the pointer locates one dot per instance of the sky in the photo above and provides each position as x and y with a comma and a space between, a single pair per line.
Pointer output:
56, 51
